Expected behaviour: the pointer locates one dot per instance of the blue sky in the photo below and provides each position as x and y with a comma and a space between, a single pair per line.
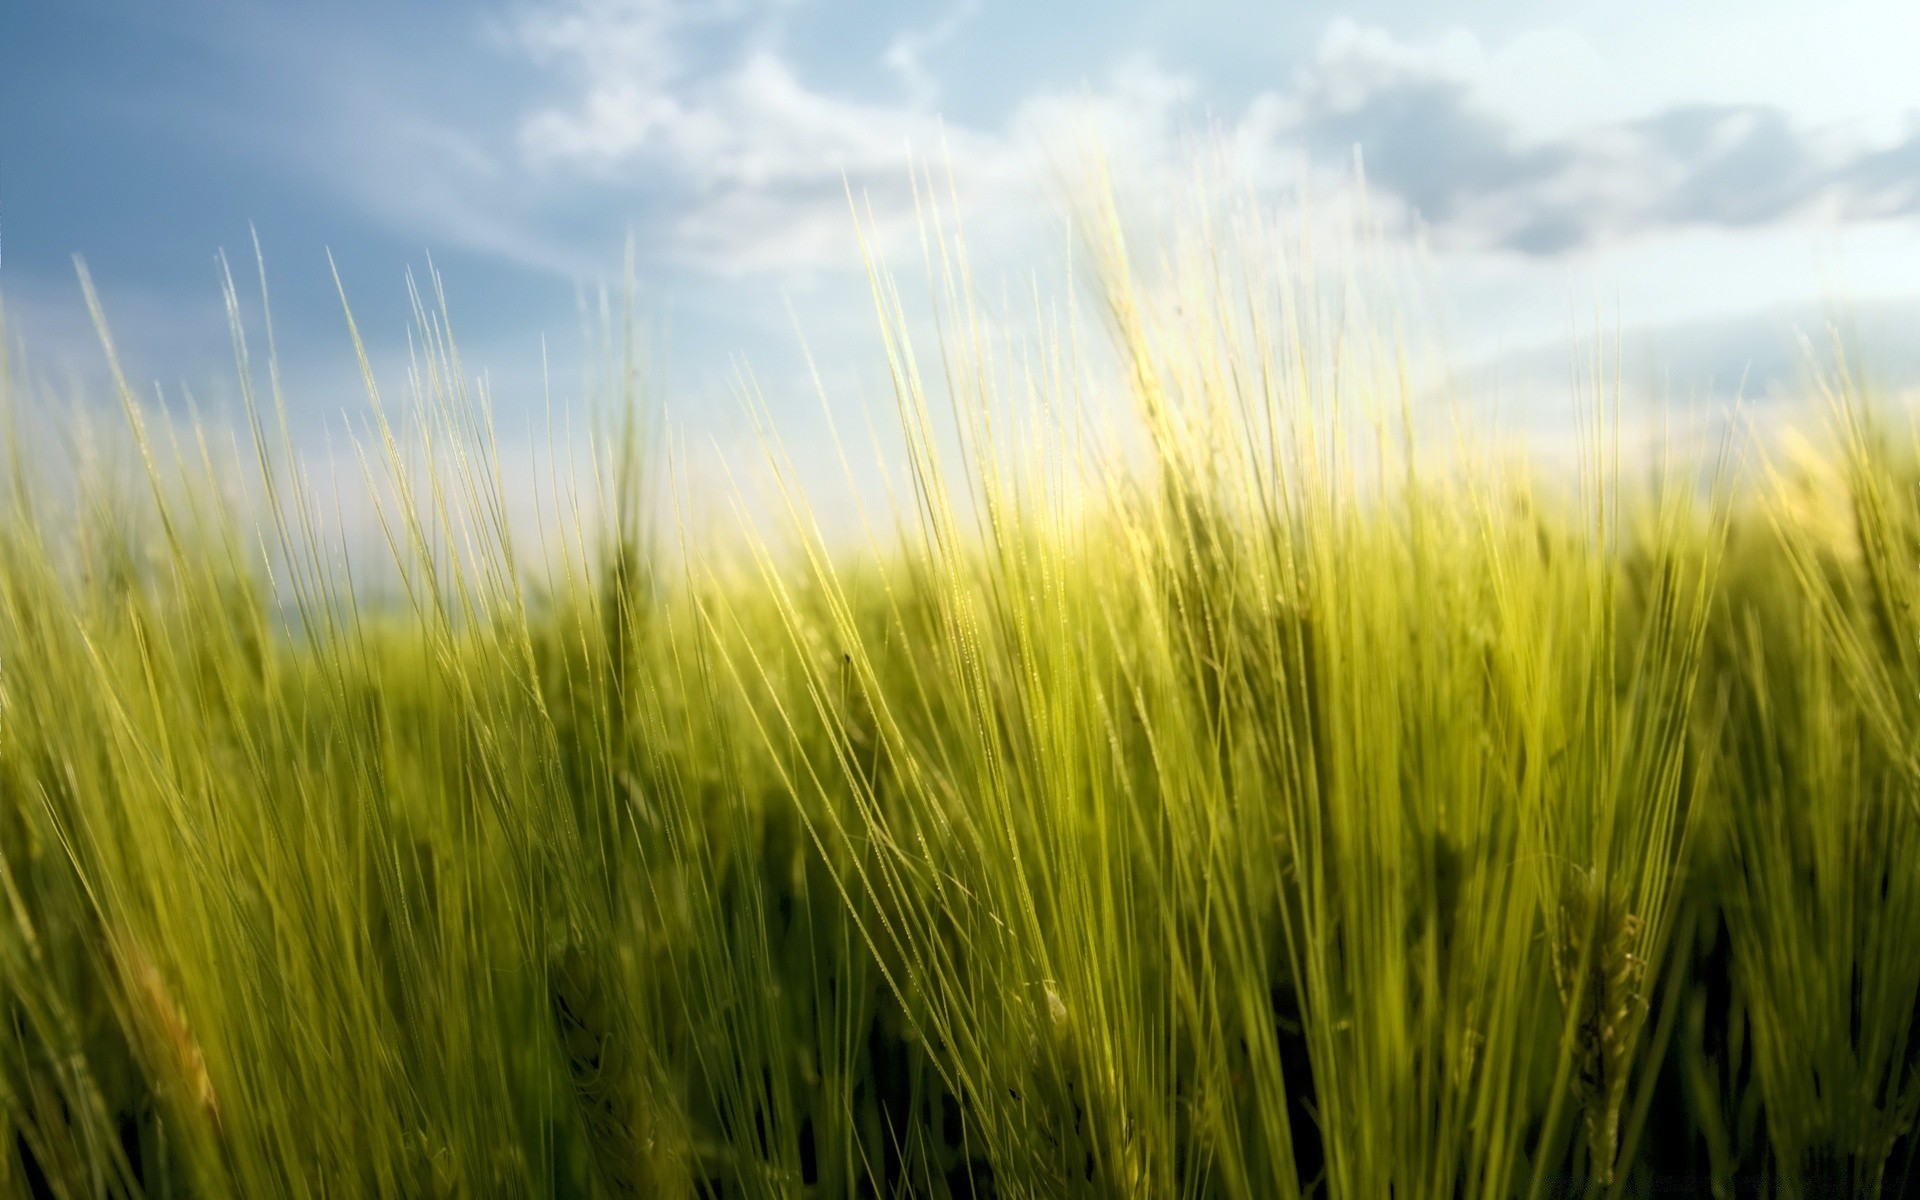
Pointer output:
1711, 175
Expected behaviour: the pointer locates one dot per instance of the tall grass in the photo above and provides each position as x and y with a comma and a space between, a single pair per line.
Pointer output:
1222, 776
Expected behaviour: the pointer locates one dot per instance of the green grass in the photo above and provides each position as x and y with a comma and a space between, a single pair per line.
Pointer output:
1220, 777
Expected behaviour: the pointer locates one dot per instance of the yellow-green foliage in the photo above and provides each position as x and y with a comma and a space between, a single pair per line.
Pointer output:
1225, 784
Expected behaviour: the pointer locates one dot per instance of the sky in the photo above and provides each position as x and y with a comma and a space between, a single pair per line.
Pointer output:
1712, 179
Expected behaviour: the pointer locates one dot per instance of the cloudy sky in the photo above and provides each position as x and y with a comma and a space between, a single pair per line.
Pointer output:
1711, 177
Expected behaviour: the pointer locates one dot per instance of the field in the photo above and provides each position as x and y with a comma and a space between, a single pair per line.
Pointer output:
1209, 786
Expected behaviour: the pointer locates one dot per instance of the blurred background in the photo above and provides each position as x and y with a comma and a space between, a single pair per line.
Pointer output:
1710, 182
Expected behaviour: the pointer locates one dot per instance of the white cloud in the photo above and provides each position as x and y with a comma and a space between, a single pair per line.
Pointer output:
906, 53
762, 159
1491, 145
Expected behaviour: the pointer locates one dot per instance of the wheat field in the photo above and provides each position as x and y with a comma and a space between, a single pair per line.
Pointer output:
1227, 781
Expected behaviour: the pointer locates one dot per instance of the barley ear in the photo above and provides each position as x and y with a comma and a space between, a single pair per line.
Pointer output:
1597, 967
633, 1154
160, 1028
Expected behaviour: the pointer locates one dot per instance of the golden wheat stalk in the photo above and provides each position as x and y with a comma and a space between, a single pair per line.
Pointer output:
161, 1030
